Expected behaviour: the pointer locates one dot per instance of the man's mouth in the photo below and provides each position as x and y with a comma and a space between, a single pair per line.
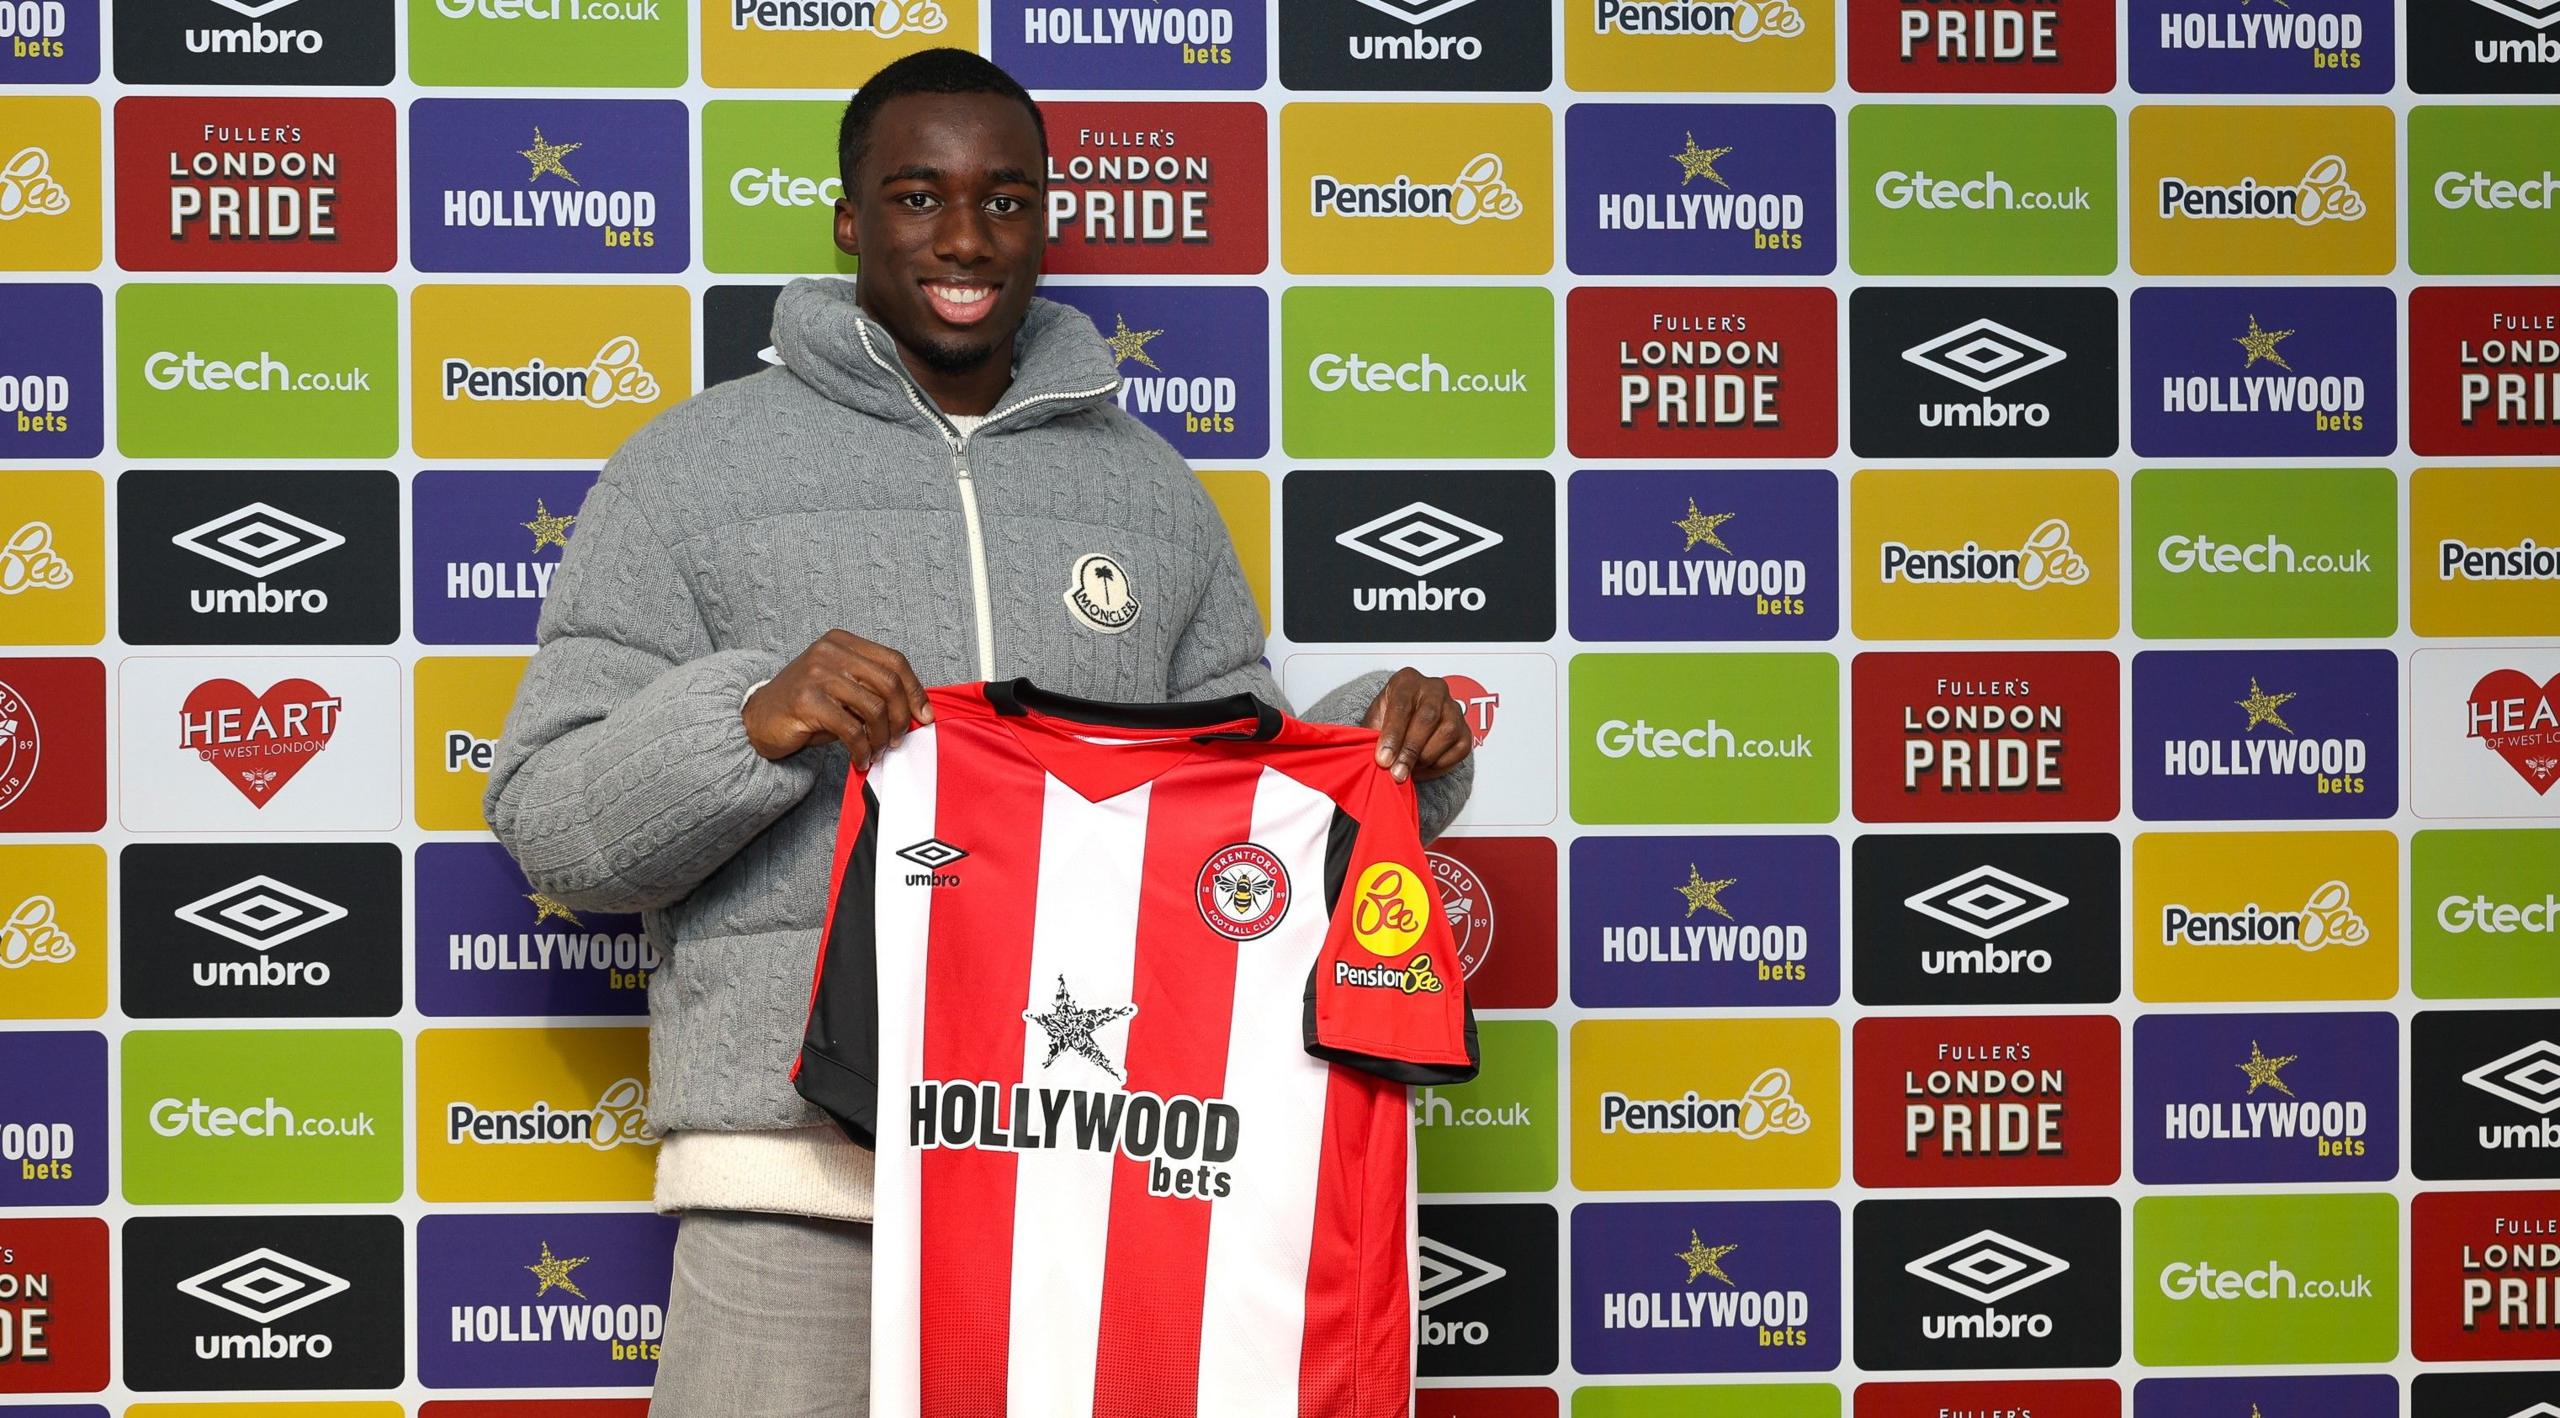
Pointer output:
960, 302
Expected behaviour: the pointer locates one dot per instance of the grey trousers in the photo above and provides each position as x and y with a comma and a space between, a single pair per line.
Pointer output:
769, 1317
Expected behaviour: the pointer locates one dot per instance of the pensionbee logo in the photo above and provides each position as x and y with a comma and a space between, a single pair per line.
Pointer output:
52, 378
2488, 204
1986, 918
1981, 46
2486, 548
53, 1122
2239, 191
2484, 1276
1985, 372
548, 185
2484, 909
2218, 47
1703, 556
2265, 552
1194, 361
486, 546
1646, 194
534, 1115
2484, 370
1417, 372
2270, 916
543, 371
490, 944
229, 1303
542, 1301
1747, 737
1411, 45
1984, 736
271, 931
253, 43
1130, 46
1383, 555
1156, 188
1667, 372
2294, 1097
1986, 1102
2013, 1283
208, 184
2257, 1280
1982, 189
281, 370
2007, 554
1725, 1287
1705, 921
2485, 47
1466, 189
2265, 734
2265, 371
260, 1116
814, 43
1756, 1102
1763, 46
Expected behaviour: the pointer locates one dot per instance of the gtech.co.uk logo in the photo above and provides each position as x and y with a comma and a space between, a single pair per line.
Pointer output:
290, 370
1194, 361
206, 184
533, 1115
1729, 1287
1497, 1132
2231, 1280
2215, 47
1756, 1101
2294, 1097
1756, 559
1964, 189
1976, 1102
272, 931
2265, 371
1758, 926
2235, 191
2486, 210
268, 1302
1986, 918
1678, 46
551, 1300
543, 371
258, 1116
2265, 552
1748, 737
2003, 372
2265, 734
490, 944
2006, 554
1417, 372
548, 185
2016, 1283
1982, 46
1156, 188
54, 1310
1465, 189
254, 43
2484, 907
1646, 195
1665, 372
53, 1119
1984, 736
2291, 915
553, 43
1129, 46
769, 182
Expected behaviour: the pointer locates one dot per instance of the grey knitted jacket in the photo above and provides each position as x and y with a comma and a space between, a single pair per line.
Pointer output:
736, 528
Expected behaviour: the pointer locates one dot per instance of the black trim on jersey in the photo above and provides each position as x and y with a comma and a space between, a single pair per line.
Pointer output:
840, 1047
1337, 855
1018, 698
1339, 837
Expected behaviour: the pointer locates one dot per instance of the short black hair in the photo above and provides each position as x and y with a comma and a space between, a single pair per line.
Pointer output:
928, 71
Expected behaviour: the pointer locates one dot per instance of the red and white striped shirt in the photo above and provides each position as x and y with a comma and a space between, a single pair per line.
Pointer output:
1125, 1000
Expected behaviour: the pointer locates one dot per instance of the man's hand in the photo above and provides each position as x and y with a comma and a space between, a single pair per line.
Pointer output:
1422, 731
842, 687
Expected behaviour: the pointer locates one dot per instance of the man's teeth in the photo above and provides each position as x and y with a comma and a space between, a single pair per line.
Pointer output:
964, 295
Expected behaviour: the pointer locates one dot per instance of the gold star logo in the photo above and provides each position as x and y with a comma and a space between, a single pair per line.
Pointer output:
1701, 893
1128, 344
2262, 707
2261, 344
546, 157
2262, 1069
552, 1271
548, 531
544, 908
1701, 527
1699, 162
1702, 1259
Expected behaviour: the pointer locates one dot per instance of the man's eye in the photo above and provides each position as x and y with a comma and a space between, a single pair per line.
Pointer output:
916, 200
1005, 205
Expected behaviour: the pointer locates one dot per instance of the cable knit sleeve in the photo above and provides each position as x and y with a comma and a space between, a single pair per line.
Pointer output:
624, 777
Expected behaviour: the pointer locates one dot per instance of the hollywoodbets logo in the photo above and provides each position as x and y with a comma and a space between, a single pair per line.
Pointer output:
489, 944
258, 558
1983, 736
1661, 372
2484, 370
53, 375
1700, 189
2328, 1395
50, 42
265, 1302
1157, 188
1416, 45
1725, 1287
254, 43
2484, 1094
1486, 1291
1194, 361
211, 184
2013, 1283
53, 1123
582, 185
2011, 372
1130, 46
1703, 555
2239, 47
542, 1301
1982, 46
1986, 1101
2485, 47
486, 546
2264, 372
272, 931
2293, 1097
2265, 734
1705, 921
2484, 1276
1986, 918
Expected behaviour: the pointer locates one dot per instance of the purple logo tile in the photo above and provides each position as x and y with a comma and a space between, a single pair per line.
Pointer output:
53, 364
2292, 1097
1705, 921
2232, 47
1731, 1287
52, 42
1194, 361
484, 549
489, 944
2327, 1396
549, 185
2265, 734
53, 1112
1704, 555
1130, 46
560, 1300
2265, 372
1699, 189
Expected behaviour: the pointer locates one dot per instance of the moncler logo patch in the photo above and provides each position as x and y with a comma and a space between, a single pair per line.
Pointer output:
1098, 594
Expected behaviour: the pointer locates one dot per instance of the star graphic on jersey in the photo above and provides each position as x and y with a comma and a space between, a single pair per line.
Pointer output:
553, 1272
1701, 527
548, 531
544, 908
1129, 344
546, 157
1070, 1027
1702, 1259
1696, 161
1701, 893
2261, 344
2262, 707
2262, 1069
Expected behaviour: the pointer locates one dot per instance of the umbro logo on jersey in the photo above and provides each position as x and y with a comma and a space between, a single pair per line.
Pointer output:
263, 1285
1986, 902
1985, 355
1987, 1267
261, 913
932, 854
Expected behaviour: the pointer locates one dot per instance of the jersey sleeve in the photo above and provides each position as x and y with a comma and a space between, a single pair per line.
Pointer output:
837, 1067
1388, 995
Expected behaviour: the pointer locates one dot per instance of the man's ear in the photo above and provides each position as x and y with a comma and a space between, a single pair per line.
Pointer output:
848, 232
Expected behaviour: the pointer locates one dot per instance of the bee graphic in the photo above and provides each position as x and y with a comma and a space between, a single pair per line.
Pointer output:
1244, 889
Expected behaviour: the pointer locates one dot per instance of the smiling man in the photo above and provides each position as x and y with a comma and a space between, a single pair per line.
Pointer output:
937, 487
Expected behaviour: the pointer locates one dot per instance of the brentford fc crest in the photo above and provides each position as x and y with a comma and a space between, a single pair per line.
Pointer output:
1243, 891
1468, 906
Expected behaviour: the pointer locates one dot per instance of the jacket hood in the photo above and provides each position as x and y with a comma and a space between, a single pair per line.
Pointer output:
1060, 362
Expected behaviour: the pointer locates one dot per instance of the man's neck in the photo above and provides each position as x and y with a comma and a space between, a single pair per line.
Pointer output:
970, 391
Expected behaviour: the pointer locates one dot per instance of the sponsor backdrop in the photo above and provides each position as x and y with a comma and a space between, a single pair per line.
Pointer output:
2003, 557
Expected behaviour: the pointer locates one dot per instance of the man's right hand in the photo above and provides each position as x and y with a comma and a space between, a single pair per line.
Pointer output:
842, 687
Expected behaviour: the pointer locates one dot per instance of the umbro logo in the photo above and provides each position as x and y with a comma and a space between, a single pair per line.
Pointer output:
1987, 1267
1418, 12
1984, 355
263, 1286
933, 854
1448, 1273
1419, 539
2528, 1078
1986, 902
258, 539
2542, 15
261, 912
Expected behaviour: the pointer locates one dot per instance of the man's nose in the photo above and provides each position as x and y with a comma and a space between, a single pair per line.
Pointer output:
962, 237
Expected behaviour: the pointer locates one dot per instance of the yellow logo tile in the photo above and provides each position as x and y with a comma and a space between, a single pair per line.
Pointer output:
1244, 501
2237, 191
543, 371
2484, 551
53, 558
1679, 1104
1699, 46
534, 1115
1417, 188
462, 704
263, 1410
52, 206
794, 44
2266, 915
53, 931
1976, 554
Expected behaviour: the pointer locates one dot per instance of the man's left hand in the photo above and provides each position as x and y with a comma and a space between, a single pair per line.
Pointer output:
1422, 731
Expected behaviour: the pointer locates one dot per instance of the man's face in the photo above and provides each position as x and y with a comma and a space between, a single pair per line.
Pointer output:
946, 215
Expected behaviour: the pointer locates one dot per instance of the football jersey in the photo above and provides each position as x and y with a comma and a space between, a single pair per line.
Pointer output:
1125, 1000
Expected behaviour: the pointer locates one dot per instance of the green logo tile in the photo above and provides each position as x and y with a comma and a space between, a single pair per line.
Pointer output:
550, 43
769, 187
2266, 1279
1412, 372
2484, 199
262, 1116
1497, 1133
1706, 738
2484, 914
2225, 553
1722, 1400
289, 370
1982, 189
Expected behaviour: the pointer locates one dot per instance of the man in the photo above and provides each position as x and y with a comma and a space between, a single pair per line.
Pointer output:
936, 488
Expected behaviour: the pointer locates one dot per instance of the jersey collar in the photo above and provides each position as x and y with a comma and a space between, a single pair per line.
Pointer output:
1102, 749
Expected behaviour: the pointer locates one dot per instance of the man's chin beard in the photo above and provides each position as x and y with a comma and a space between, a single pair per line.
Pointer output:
951, 356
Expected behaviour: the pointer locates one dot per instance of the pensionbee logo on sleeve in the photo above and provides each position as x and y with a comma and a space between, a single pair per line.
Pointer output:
2484, 1087
1658, 1103
254, 43
2265, 734
486, 545
54, 1316
274, 370
1982, 189
231, 1303
553, 43
2488, 201
2293, 1097
1416, 45
2484, 370
1748, 737
297, 184
534, 1115
2484, 1276
1682, 372
2231, 1280
1462, 189
2266, 916
1758, 926
2013, 1283
270, 931
2485, 47
1194, 361
805, 44
2484, 910
229, 1117
490, 944
1760, 46
2245, 191
1981, 46
548, 185
2265, 371
1417, 371
52, 376
1645, 195
2005, 372
1986, 918
1737, 1287
2233, 47
53, 1123
2006, 554
1984, 736
1156, 188
1130, 46
549, 1301
2484, 547
1986, 1102
1697, 555
2226, 552
543, 371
